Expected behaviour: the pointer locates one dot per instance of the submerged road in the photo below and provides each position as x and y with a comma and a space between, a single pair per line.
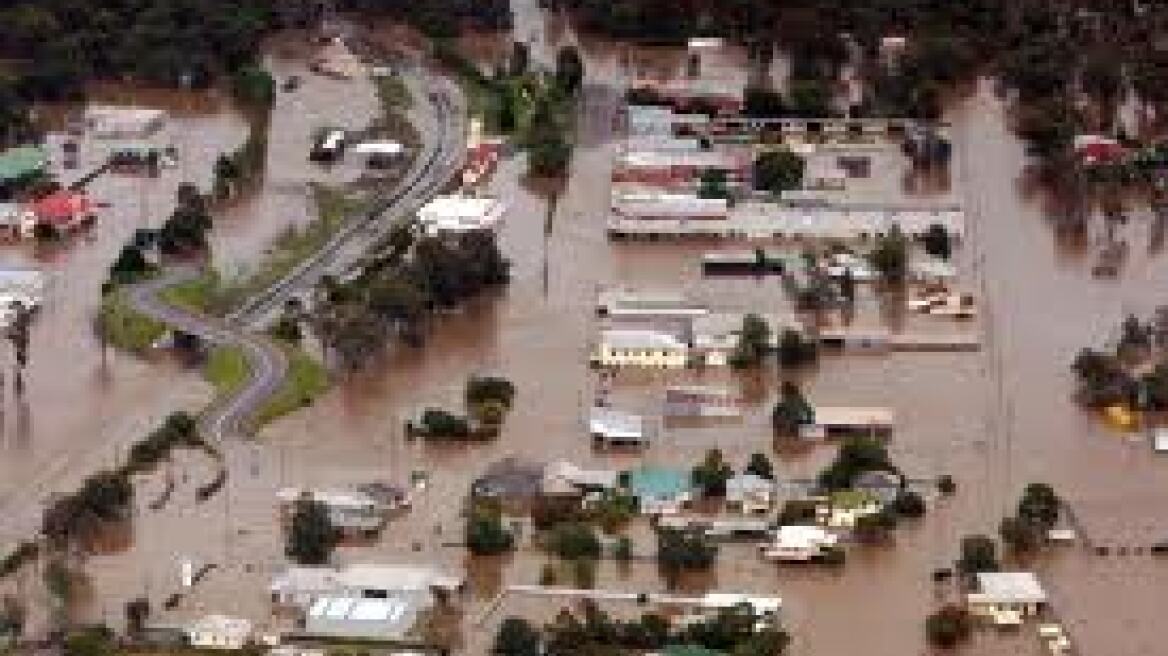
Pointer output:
440, 121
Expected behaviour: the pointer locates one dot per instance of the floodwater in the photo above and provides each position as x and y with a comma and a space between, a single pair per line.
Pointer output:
994, 420
81, 408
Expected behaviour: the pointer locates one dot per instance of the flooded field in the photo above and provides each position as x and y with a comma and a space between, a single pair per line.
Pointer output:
995, 420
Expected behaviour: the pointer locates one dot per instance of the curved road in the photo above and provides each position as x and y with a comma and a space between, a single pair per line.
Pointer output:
440, 122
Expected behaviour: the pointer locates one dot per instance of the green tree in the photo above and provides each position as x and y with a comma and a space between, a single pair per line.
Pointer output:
1039, 506
311, 536
809, 99
791, 411
622, 550
1018, 534
516, 637
682, 551
712, 184
794, 351
890, 256
855, 456
96, 641
948, 627
762, 102
754, 340
574, 541
937, 241
909, 504
520, 58
485, 533
978, 554
569, 69
130, 267
712, 473
777, 171
760, 466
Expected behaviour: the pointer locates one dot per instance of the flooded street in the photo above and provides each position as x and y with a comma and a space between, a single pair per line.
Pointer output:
994, 420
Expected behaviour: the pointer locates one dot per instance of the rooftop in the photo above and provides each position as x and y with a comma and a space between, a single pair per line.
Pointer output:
639, 339
221, 625
18, 162
615, 424
1008, 587
853, 416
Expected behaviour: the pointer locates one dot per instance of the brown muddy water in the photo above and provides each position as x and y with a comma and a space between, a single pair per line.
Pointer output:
81, 409
995, 420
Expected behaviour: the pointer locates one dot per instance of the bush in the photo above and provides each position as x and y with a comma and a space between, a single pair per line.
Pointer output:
946, 485
948, 627
485, 533
937, 241
574, 541
516, 637
978, 554
909, 504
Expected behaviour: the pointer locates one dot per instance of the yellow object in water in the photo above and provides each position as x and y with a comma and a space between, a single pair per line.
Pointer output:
1120, 417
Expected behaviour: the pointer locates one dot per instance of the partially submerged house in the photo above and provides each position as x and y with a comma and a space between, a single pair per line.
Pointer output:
301, 586
798, 543
647, 348
750, 494
350, 511
513, 482
833, 422
1007, 598
218, 632
616, 428
564, 479
455, 215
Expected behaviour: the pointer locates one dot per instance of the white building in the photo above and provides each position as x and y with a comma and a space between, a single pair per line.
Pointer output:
798, 543
640, 348
453, 215
301, 586
219, 632
750, 494
349, 510
631, 304
390, 618
617, 428
112, 122
564, 478
1007, 597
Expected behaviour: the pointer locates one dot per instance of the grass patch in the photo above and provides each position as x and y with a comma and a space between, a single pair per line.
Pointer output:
227, 370
124, 327
393, 93
202, 294
307, 379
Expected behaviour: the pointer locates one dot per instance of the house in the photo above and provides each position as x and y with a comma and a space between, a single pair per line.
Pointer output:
651, 206
20, 165
1007, 597
846, 507
379, 154
831, 422
562, 478
362, 618
219, 632
454, 215
16, 222
617, 428
352, 512
300, 586
660, 490
715, 336
627, 303
701, 401
512, 481
797, 543
750, 494
883, 486
112, 122
647, 348
64, 210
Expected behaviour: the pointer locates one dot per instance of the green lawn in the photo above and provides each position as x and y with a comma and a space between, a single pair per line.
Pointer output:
227, 370
200, 294
307, 380
124, 327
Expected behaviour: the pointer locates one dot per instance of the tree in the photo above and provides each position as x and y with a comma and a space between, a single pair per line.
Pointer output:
937, 242
712, 473
1039, 506
485, 533
622, 550
130, 267
549, 157
754, 341
574, 541
97, 641
1018, 534
762, 102
516, 637
760, 466
978, 554
712, 184
791, 411
186, 230
794, 351
945, 485
909, 504
681, 551
569, 69
480, 389
876, 527
520, 58
809, 99
584, 573
855, 456
948, 627
890, 256
777, 171
311, 536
